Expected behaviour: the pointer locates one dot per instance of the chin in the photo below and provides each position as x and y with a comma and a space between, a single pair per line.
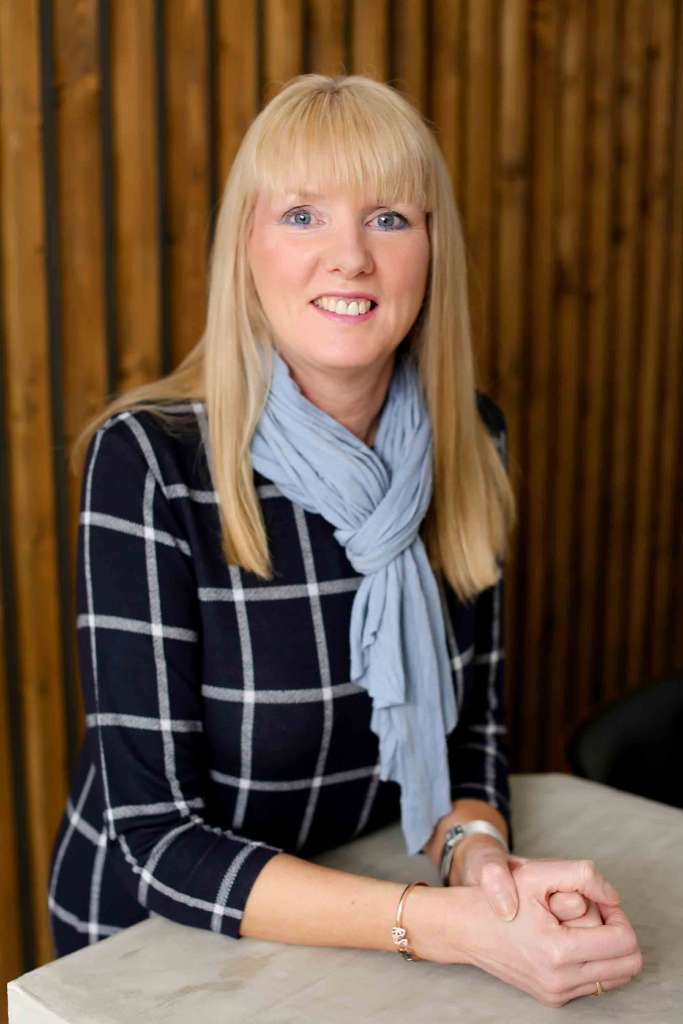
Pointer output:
347, 355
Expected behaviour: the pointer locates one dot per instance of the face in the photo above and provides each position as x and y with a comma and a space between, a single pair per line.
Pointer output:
302, 248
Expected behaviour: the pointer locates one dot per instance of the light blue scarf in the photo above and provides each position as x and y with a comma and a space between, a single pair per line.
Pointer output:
376, 499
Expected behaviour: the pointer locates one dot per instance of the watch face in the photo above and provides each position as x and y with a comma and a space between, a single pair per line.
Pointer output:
454, 833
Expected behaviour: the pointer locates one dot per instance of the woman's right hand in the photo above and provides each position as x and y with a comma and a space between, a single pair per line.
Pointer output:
536, 953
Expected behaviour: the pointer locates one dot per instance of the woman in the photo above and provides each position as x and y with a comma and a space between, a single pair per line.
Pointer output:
290, 589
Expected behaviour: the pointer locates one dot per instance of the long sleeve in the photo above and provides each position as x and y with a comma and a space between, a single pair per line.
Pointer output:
477, 747
140, 655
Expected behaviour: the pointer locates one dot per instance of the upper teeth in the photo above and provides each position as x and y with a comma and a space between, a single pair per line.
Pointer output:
354, 308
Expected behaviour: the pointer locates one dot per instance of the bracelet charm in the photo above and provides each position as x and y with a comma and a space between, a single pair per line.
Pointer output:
398, 932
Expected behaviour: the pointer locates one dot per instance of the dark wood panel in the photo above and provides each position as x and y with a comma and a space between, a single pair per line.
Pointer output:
624, 343
654, 210
509, 299
566, 339
667, 610
528, 713
593, 398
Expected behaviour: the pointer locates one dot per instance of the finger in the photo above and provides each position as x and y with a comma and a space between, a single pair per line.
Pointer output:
515, 862
616, 938
574, 876
590, 988
566, 906
605, 970
499, 887
590, 919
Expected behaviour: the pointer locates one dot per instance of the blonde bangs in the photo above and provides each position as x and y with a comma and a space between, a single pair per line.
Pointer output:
350, 138
350, 133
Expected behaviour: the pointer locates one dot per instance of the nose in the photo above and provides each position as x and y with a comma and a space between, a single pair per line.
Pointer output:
348, 250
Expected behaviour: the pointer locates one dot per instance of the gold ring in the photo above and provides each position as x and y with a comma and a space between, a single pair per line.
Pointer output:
598, 989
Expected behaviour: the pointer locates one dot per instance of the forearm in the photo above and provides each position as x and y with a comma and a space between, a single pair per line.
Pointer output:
296, 901
463, 810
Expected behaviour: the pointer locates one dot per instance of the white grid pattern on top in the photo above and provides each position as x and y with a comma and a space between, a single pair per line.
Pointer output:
159, 735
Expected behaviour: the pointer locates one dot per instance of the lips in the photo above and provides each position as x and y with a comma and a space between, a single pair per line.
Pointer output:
347, 296
343, 317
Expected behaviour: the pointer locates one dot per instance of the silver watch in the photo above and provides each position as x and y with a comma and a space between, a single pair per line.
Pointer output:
456, 834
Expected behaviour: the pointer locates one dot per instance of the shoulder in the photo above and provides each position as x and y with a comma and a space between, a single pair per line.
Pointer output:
167, 444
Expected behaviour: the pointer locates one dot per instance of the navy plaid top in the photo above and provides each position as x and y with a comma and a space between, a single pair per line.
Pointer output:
222, 727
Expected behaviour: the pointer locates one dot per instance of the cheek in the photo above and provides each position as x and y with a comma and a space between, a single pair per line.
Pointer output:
416, 267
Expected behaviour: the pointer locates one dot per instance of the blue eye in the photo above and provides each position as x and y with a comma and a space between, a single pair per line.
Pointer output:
301, 211
297, 212
393, 213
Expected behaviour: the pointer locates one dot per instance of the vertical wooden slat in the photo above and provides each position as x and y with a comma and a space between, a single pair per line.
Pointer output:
478, 194
370, 38
32, 498
647, 450
409, 59
12, 936
326, 37
667, 603
134, 155
11, 932
237, 79
80, 283
527, 714
447, 47
624, 344
567, 344
510, 299
189, 194
283, 44
16, 938
593, 399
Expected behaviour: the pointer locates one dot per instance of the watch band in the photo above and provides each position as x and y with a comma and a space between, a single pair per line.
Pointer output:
456, 834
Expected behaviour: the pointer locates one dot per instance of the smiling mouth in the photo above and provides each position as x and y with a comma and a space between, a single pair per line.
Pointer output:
348, 318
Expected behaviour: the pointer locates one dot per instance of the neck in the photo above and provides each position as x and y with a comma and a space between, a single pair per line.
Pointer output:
354, 400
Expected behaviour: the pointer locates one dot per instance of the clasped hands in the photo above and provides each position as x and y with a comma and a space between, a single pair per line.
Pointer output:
481, 860
552, 896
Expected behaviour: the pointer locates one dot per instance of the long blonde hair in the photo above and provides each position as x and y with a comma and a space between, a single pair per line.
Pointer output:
347, 131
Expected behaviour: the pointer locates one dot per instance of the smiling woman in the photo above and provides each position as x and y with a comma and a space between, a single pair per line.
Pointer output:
309, 264
290, 591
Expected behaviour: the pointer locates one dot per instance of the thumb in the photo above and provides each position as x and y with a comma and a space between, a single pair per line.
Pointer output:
500, 889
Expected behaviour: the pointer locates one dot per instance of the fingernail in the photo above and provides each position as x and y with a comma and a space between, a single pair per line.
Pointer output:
612, 892
508, 910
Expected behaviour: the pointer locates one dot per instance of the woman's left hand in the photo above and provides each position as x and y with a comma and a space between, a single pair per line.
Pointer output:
481, 860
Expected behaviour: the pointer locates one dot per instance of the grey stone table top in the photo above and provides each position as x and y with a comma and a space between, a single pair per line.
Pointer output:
160, 971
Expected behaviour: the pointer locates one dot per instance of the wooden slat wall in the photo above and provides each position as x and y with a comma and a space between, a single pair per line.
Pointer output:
562, 123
